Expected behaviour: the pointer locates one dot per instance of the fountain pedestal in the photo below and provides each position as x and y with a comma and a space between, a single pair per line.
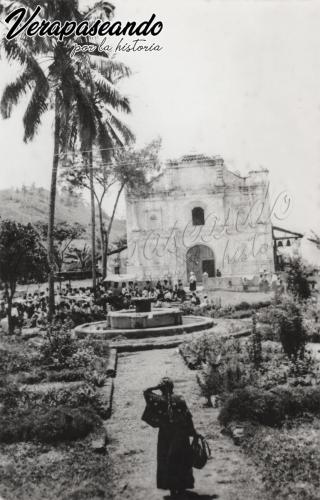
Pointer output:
142, 305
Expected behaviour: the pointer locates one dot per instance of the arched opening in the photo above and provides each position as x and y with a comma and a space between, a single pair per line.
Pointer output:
200, 259
197, 216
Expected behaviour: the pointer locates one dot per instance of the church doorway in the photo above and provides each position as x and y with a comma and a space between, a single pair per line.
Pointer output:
200, 259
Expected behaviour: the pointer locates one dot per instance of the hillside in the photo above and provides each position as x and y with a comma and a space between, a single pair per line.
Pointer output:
30, 204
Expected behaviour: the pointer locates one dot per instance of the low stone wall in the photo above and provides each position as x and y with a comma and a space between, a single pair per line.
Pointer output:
231, 283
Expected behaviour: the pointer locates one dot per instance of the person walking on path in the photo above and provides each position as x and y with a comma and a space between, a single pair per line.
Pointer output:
170, 414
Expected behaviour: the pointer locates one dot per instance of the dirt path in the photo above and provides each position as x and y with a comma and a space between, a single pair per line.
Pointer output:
228, 475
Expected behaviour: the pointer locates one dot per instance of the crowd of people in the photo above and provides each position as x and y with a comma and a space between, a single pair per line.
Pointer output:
81, 304
31, 309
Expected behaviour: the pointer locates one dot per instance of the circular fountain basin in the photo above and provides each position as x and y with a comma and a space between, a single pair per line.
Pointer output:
131, 320
102, 330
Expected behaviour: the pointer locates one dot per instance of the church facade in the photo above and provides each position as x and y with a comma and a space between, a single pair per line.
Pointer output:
199, 216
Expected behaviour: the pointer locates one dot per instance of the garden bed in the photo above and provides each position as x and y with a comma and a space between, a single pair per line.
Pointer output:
68, 471
67, 380
288, 458
54, 397
268, 388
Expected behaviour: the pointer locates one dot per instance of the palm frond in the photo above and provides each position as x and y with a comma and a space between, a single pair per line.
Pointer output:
101, 10
119, 127
14, 91
16, 51
86, 115
108, 93
37, 106
111, 69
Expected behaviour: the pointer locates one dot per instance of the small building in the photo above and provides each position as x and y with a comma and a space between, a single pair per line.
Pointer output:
199, 216
286, 245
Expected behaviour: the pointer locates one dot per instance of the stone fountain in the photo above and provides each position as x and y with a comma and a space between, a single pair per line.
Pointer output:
143, 322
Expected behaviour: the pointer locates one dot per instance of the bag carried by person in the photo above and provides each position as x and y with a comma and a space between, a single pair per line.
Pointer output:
150, 416
200, 452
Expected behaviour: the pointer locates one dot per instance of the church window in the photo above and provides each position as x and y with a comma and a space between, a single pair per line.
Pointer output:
198, 216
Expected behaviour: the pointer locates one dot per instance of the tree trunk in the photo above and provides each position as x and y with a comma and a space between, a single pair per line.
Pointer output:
105, 253
9, 296
9, 316
93, 224
107, 233
102, 238
52, 206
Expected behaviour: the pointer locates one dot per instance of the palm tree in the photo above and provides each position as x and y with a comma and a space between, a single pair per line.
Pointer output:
103, 137
66, 84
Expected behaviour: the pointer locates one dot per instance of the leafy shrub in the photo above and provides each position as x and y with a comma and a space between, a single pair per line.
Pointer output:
255, 345
242, 306
13, 362
100, 349
59, 345
82, 394
288, 321
224, 365
202, 348
253, 405
225, 378
261, 304
269, 407
298, 284
9, 396
288, 460
48, 425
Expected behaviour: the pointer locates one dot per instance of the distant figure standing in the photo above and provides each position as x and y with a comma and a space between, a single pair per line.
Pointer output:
170, 414
192, 282
266, 284
261, 283
274, 282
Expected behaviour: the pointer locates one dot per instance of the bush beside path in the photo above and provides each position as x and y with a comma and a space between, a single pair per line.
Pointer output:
132, 444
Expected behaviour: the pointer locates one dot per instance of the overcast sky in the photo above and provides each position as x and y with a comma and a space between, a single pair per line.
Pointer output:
237, 79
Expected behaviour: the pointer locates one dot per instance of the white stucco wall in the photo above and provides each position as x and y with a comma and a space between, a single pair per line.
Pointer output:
237, 221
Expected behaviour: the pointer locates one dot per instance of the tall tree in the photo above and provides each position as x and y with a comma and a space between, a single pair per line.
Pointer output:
54, 78
128, 168
105, 135
22, 256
